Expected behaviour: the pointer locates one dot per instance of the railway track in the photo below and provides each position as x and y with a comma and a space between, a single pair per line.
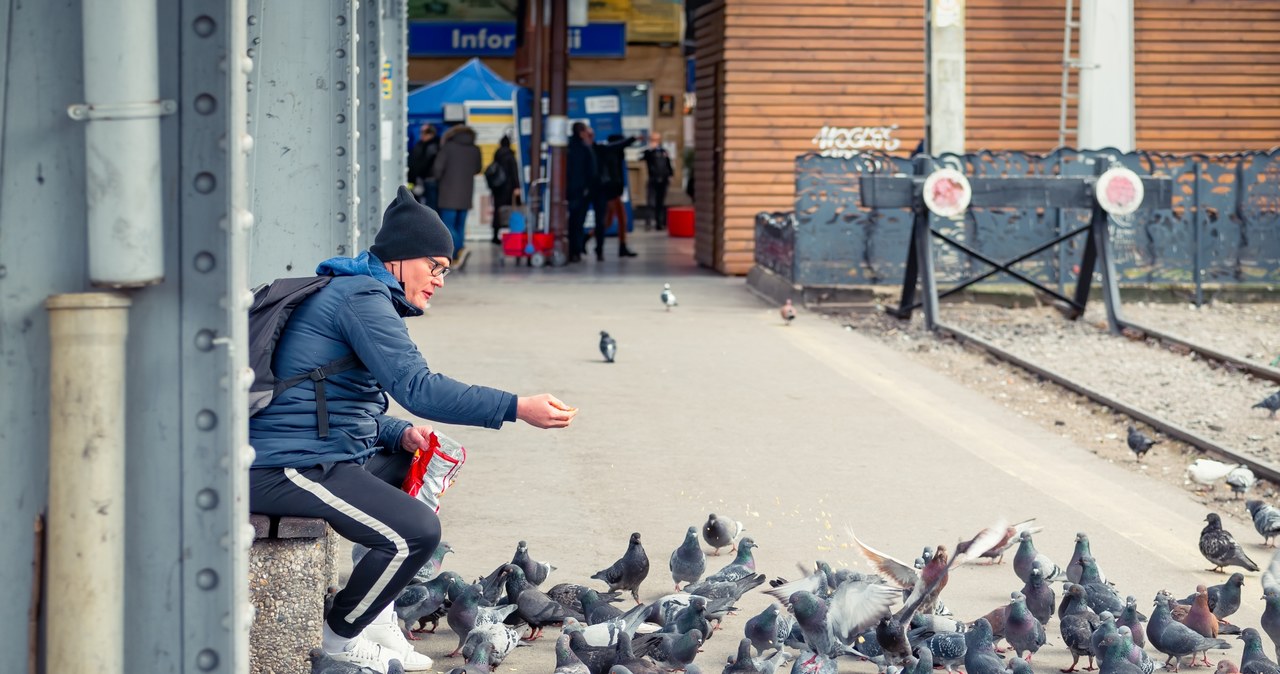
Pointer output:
1262, 469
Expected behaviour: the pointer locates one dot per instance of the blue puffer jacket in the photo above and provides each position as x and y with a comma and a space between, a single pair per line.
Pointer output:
361, 311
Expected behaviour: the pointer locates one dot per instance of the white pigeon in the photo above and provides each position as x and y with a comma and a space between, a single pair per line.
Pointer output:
1241, 480
501, 638
788, 312
1207, 471
668, 297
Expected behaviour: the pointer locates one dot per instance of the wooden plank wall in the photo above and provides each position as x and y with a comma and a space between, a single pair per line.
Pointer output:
708, 134
1013, 79
791, 68
1207, 75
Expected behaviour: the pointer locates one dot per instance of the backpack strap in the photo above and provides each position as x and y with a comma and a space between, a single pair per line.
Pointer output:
318, 376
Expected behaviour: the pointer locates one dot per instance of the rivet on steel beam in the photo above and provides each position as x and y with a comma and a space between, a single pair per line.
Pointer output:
205, 182
207, 660
204, 26
207, 499
206, 579
206, 420
205, 104
204, 340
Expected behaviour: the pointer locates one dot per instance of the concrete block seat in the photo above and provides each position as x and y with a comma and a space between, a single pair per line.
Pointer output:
292, 564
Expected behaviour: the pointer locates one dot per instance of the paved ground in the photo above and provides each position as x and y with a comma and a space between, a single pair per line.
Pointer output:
797, 431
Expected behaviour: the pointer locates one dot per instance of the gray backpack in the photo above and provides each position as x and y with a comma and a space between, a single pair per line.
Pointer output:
273, 304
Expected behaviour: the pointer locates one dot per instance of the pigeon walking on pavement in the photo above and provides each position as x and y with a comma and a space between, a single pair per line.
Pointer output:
1132, 619
1074, 568
1220, 547
533, 607
1241, 480
608, 347
1266, 521
1175, 639
629, 571
1254, 660
1224, 599
688, 561
1270, 403
980, 650
500, 639
768, 629
534, 571
1076, 624
742, 566
788, 312
668, 297
568, 662
672, 651
1206, 472
1139, 443
466, 614
569, 595
1022, 630
420, 602
721, 533
1028, 555
1041, 599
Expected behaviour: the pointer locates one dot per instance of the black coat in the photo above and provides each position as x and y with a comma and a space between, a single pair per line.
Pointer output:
582, 174
421, 157
658, 162
504, 157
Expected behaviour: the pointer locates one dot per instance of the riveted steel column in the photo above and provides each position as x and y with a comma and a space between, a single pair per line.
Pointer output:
395, 117
214, 297
302, 107
369, 118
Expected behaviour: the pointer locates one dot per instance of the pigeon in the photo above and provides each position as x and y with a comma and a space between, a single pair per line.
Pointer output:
1175, 639
1112, 656
692, 617
422, 601
608, 347
743, 663
1022, 630
933, 575
498, 638
1220, 547
1224, 599
629, 571
1270, 403
479, 662
1254, 660
788, 312
1266, 521
1130, 618
769, 665
813, 619
721, 533
947, 649
688, 561
1241, 480
532, 606
1011, 537
768, 629
1074, 568
1106, 626
534, 572
1271, 595
596, 610
627, 659
1077, 623
569, 595
1134, 651
1101, 596
432, 566
664, 611
742, 566
1139, 443
568, 662
668, 297
605, 634
1040, 595
466, 614
597, 659
323, 664
980, 651
722, 593
674, 651
1200, 619
1206, 472
1017, 665
1028, 555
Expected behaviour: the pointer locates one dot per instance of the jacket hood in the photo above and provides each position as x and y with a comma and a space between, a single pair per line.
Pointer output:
368, 264
460, 134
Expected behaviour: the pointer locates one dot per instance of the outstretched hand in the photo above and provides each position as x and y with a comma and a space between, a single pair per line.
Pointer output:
544, 411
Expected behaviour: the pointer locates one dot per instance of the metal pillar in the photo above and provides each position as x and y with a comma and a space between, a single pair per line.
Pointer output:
558, 66
302, 105
395, 117
369, 102
946, 68
1106, 103
212, 423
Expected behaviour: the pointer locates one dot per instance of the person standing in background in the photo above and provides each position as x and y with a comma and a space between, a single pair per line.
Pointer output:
582, 178
608, 205
503, 191
658, 164
455, 168
421, 158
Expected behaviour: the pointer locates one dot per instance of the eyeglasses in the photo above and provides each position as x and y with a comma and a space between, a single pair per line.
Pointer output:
438, 270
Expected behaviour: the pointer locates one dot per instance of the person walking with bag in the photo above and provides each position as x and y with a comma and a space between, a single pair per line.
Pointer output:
455, 168
325, 446
503, 178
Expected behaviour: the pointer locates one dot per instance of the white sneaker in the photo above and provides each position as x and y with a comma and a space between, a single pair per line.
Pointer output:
364, 653
393, 642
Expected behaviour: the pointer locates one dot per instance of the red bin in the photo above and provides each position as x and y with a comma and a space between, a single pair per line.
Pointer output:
680, 221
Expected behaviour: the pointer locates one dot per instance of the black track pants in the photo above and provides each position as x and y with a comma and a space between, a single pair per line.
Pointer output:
365, 505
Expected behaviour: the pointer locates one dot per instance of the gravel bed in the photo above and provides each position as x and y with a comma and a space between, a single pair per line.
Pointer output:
1181, 388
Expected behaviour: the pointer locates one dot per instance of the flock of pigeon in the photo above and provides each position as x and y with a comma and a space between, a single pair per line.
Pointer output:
609, 346
894, 618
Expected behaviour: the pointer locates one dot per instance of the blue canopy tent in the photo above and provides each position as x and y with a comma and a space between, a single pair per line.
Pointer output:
473, 81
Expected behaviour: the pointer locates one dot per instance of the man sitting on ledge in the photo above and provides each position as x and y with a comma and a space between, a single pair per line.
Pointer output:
348, 467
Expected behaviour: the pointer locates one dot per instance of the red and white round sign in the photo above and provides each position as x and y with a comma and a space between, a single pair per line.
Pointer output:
1119, 191
947, 193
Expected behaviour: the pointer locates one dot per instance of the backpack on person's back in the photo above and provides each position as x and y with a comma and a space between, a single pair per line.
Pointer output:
495, 176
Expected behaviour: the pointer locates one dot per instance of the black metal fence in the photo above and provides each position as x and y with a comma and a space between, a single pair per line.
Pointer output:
1223, 227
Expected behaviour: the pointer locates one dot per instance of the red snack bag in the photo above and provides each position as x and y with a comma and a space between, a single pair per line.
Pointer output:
434, 469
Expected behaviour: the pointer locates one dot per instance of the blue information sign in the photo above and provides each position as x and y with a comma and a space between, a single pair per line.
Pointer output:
498, 38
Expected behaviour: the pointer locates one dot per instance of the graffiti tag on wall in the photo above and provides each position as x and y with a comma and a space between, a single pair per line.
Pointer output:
845, 141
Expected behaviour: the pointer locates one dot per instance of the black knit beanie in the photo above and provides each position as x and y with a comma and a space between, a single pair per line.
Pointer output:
411, 230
